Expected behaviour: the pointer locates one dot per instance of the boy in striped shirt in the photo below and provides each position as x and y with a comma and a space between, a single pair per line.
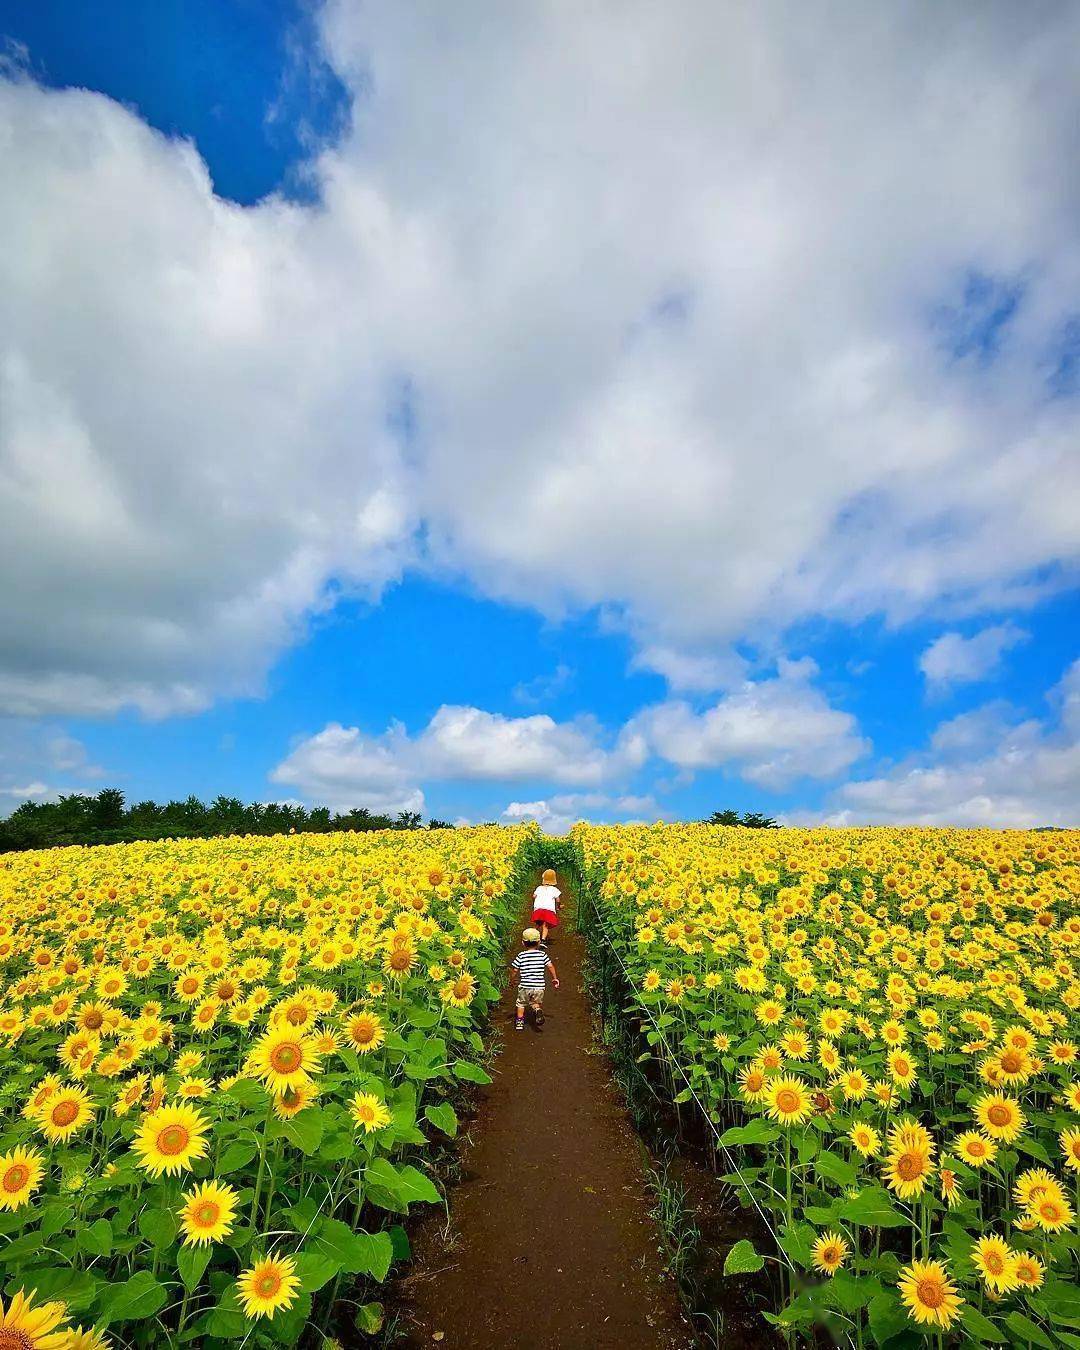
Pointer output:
532, 965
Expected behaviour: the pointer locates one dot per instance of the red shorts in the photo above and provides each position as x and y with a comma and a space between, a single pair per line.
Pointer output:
545, 916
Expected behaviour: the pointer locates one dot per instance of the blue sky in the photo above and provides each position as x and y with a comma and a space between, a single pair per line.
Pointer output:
392, 424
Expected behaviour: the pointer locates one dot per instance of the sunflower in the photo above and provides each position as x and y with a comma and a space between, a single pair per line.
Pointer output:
284, 1058
170, 1139
975, 1149
207, 1213
752, 1082
459, 993
999, 1116
21, 1171
24, 1327
369, 1112
995, 1261
866, 1139
65, 1112
82, 1338
1051, 1211
1070, 1146
788, 1101
950, 1190
1030, 1272
929, 1294
902, 1068
830, 1252
907, 1171
294, 1100
269, 1284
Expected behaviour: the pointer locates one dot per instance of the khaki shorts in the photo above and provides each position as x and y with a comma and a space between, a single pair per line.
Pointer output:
530, 998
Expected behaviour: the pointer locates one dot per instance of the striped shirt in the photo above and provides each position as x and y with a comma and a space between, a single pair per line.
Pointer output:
531, 965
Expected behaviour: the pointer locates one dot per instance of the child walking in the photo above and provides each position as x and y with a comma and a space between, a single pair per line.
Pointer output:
531, 966
545, 915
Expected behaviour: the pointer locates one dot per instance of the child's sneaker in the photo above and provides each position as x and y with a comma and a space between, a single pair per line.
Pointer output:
519, 1024
538, 1019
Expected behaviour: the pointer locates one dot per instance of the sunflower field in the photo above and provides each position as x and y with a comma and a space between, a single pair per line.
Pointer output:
222, 1066
882, 1026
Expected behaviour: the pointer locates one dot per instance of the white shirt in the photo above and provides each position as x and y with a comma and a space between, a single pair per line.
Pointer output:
545, 897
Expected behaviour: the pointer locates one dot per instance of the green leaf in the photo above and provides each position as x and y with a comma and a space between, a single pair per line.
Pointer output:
315, 1269
743, 1259
444, 1117
133, 1300
304, 1130
850, 1292
981, 1327
1027, 1330
887, 1317
759, 1131
236, 1155
158, 1226
470, 1073
76, 1288
424, 1018
54, 1218
248, 1094
834, 1168
414, 1185
873, 1207
191, 1262
355, 1253
370, 1318
96, 1238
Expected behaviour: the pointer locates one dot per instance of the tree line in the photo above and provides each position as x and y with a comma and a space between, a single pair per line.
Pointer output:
106, 818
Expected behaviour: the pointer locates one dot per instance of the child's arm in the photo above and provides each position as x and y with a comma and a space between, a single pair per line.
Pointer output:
554, 975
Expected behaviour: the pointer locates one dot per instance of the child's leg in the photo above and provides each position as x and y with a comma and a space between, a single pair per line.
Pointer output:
519, 1016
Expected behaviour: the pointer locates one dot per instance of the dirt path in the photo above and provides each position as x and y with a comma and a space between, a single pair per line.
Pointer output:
549, 1243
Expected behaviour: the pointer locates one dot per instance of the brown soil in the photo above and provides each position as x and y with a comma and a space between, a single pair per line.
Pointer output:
548, 1244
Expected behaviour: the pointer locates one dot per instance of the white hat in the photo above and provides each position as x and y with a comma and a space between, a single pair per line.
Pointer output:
531, 935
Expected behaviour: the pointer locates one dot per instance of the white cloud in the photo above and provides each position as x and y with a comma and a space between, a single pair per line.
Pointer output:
698, 672
982, 770
541, 688
772, 732
26, 791
655, 279
558, 814
341, 766
955, 659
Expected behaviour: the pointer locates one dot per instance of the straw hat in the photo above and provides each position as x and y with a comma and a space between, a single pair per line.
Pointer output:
531, 935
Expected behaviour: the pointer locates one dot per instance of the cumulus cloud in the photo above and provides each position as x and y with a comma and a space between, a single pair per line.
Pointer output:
344, 767
694, 672
557, 815
680, 296
982, 770
771, 732
954, 659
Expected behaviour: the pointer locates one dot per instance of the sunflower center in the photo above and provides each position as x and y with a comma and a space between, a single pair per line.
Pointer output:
268, 1283
787, 1101
998, 1115
173, 1139
64, 1113
16, 1177
909, 1166
363, 1032
1011, 1061
93, 1020
400, 960
994, 1264
206, 1214
931, 1294
286, 1058
461, 989
11, 1338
